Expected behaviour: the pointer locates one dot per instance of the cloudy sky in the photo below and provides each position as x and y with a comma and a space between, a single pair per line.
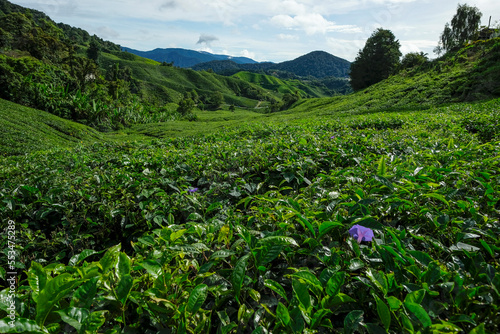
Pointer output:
265, 30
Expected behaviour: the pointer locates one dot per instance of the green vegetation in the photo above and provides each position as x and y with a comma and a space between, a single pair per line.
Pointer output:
246, 228
193, 211
66, 72
277, 85
25, 130
378, 60
464, 27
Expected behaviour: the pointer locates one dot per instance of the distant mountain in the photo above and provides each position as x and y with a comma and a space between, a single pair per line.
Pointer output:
317, 64
186, 58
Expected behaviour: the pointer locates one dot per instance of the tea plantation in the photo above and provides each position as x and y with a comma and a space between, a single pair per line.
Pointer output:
244, 228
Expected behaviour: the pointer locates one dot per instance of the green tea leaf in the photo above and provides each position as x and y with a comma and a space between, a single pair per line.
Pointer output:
95, 321
379, 279
278, 240
76, 259
123, 265
335, 283
352, 321
419, 312
478, 330
382, 168
238, 275
37, 278
305, 223
74, 316
487, 247
302, 294
123, 289
21, 325
422, 257
394, 303
221, 254
438, 197
282, 314
177, 234
415, 297
385, 182
326, 227
108, 261
197, 298
84, 296
276, 287
406, 322
308, 278
54, 291
383, 312
152, 267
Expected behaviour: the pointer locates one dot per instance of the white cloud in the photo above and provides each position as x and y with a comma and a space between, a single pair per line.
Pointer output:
272, 29
287, 37
311, 23
248, 54
107, 33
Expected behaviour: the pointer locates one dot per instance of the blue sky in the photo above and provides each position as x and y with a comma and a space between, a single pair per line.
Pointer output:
265, 30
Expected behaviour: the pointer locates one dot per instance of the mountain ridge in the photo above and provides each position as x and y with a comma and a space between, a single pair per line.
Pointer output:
318, 64
185, 58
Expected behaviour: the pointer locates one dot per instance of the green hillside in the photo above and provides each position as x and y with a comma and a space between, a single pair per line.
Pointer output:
24, 130
163, 84
470, 74
283, 86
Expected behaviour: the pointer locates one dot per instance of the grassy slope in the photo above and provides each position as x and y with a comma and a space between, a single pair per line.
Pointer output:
281, 86
24, 130
165, 83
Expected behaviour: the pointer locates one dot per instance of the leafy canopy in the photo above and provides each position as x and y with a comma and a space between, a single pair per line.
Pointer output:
463, 28
377, 61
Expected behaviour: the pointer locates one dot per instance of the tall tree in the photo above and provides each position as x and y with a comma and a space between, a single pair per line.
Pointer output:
463, 28
377, 61
94, 50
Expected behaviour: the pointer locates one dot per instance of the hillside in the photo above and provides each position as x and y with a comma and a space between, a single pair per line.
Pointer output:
469, 74
311, 89
64, 70
24, 130
318, 64
185, 58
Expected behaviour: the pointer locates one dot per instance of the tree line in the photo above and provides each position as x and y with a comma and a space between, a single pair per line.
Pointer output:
381, 55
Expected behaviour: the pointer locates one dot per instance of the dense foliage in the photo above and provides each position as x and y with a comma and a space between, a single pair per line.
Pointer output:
378, 59
247, 229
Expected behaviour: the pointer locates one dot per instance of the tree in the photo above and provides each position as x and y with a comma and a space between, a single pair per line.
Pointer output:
413, 60
94, 50
463, 28
377, 61
186, 106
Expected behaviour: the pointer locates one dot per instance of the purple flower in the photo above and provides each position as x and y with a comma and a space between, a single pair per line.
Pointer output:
193, 190
361, 233
332, 137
